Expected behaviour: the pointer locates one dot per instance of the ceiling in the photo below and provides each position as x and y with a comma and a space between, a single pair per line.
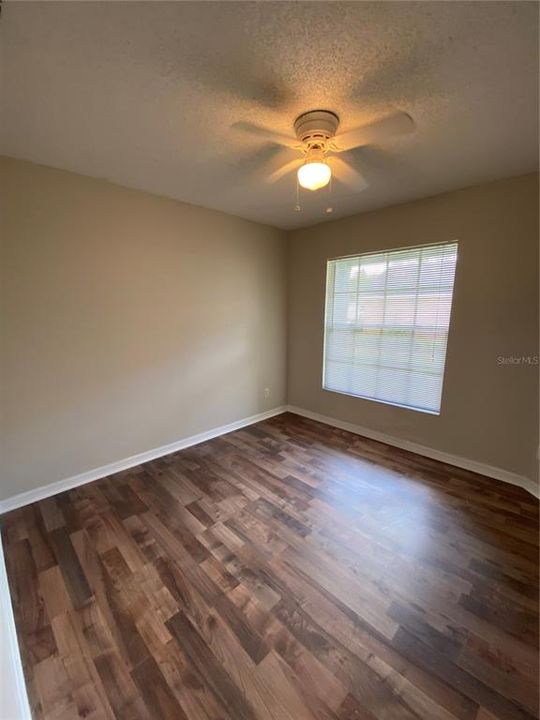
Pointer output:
146, 94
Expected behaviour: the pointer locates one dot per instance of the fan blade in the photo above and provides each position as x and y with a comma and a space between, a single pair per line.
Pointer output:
266, 134
255, 163
347, 174
284, 170
398, 123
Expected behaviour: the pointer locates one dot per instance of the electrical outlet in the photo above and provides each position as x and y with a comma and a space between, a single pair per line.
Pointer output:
266, 393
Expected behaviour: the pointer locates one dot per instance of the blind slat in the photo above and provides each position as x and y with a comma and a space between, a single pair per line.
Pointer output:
386, 325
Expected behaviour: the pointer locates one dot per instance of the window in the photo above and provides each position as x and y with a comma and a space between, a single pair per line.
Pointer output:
386, 325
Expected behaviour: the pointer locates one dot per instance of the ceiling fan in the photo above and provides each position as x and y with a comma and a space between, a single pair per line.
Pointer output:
319, 146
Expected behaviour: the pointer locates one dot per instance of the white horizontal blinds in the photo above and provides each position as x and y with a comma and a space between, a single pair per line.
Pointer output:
387, 318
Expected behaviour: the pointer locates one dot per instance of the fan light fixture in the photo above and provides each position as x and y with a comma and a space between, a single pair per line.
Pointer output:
314, 175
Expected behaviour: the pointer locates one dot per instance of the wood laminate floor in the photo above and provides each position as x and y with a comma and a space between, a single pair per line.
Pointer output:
286, 571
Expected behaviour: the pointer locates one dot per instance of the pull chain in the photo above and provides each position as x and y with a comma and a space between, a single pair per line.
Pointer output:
297, 206
329, 209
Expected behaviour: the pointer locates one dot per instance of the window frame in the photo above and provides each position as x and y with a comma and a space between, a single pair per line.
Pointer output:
436, 413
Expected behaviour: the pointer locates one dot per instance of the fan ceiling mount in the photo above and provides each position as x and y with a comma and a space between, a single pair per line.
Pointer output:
318, 146
316, 125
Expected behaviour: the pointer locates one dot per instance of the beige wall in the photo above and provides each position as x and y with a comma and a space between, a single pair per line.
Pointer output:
489, 411
129, 322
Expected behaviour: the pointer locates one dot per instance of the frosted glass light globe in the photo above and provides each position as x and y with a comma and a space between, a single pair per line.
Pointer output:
314, 175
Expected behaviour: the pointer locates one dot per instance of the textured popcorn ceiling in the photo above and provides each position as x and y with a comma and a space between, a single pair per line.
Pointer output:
146, 94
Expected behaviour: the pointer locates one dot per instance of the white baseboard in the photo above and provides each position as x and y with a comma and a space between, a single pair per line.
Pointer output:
30, 496
12, 686
464, 463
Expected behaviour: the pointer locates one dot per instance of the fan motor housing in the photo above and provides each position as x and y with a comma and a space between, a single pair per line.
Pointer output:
316, 126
